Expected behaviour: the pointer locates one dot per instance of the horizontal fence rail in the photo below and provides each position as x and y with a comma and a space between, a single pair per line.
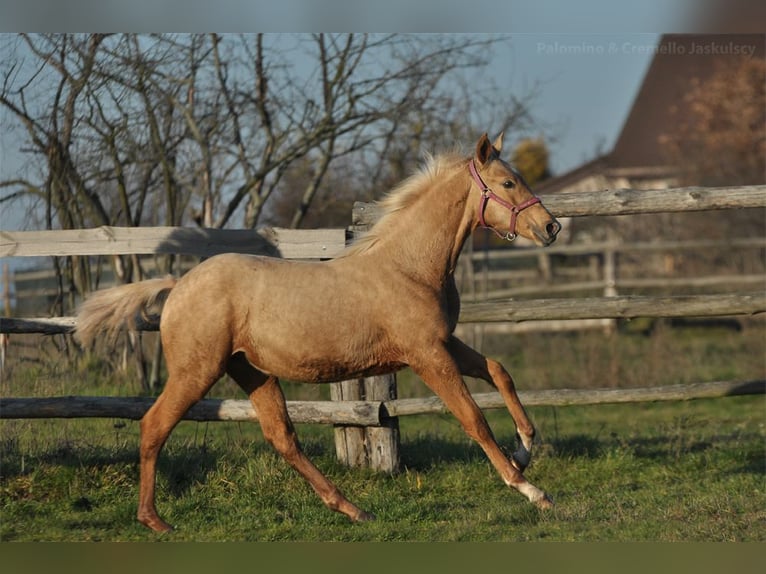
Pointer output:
746, 282
287, 243
627, 201
629, 307
568, 397
598, 247
500, 311
361, 413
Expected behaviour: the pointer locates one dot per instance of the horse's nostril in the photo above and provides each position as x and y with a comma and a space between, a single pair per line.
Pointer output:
553, 228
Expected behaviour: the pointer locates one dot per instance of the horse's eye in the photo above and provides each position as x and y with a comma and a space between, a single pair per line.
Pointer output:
509, 184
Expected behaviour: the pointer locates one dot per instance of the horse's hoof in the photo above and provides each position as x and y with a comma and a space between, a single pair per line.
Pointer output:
545, 503
522, 457
156, 523
364, 517
519, 465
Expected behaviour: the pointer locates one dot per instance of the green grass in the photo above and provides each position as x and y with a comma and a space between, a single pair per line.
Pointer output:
691, 471
678, 471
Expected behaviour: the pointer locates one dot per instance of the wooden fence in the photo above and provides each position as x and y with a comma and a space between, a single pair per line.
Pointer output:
365, 411
606, 268
498, 274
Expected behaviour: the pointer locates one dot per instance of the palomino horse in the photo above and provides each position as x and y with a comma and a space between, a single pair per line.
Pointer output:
388, 301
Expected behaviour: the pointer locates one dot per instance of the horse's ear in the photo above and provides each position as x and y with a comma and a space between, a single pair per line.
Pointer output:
498, 145
484, 150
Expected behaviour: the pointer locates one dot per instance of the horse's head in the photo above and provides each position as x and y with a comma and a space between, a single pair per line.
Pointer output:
507, 205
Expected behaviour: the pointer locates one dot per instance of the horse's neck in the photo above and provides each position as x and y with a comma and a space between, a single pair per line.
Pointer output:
426, 238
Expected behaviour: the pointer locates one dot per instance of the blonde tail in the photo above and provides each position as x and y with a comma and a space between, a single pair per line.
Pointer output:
110, 310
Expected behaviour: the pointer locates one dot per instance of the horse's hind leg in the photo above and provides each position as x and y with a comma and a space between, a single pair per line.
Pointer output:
269, 404
440, 372
474, 364
179, 395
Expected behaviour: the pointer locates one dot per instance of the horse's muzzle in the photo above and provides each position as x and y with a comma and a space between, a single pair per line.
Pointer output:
547, 234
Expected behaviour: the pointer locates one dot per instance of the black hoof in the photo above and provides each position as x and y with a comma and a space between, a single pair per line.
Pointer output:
365, 517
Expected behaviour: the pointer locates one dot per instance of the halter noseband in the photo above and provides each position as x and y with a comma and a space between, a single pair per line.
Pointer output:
487, 194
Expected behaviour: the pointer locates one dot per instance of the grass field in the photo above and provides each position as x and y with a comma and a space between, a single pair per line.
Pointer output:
682, 471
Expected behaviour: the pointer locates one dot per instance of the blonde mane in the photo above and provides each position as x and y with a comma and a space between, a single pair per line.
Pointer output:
404, 195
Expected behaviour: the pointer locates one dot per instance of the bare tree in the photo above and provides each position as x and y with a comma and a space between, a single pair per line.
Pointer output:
67, 63
82, 115
384, 123
173, 128
351, 96
722, 138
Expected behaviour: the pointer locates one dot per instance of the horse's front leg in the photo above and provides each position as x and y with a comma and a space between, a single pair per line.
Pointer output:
440, 372
269, 403
473, 364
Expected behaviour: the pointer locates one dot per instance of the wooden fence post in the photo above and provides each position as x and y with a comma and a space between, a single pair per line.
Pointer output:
7, 281
375, 447
610, 285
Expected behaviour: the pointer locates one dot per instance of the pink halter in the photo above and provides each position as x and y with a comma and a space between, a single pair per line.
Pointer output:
487, 194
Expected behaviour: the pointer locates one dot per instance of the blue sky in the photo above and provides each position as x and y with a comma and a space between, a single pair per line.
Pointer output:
588, 84
516, 16
589, 78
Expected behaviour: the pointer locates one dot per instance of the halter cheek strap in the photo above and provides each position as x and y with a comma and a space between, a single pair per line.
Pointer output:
487, 194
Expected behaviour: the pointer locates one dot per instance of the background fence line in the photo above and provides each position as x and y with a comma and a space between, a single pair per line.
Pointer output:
381, 406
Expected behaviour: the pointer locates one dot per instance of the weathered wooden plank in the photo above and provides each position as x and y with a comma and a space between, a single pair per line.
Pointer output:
277, 242
621, 247
349, 440
754, 280
382, 441
509, 310
361, 412
626, 201
624, 307
749, 281
45, 326
634, 201
375, 447
553, 326
325, 412
306, 243
58, 325
565, 397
